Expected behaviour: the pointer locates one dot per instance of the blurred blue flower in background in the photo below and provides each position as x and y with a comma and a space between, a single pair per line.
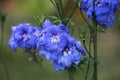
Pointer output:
104, 10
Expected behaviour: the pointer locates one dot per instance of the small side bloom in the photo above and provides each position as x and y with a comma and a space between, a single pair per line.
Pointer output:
13, 45
23, 36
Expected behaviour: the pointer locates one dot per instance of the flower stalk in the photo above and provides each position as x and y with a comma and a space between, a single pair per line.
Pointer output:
2, 21
95, 73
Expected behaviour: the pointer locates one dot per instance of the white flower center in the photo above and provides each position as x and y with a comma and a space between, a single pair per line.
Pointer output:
66, 52
25, 37
37, 33
55, 39
99, 4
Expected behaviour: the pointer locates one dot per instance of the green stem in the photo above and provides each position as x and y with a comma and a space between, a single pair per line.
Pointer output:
84, 18
89, 52
36, 60
2, 35
88, 67
70, 76
71, 15
60, 10
95, 74
1, 46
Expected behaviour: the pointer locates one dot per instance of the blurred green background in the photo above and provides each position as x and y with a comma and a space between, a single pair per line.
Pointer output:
15, 65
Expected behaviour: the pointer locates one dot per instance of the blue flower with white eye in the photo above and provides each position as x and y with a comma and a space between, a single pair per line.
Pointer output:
55, 38
67, 57
70, 55
23, 35
52, 41
42, 34
104, 10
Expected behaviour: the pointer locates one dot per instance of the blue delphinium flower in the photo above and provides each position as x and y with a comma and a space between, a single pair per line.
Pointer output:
56, 38
69, 55
104, 10
51, 34
53, 41
24, 36
57, 45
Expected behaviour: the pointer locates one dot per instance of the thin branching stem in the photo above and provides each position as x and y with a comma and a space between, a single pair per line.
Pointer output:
1, 46
35, 59
89, 53
74, 9
2, 34
88, 67
84, 18
60, 10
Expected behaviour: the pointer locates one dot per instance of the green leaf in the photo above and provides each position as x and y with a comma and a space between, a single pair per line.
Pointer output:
52, 1
39, 19
56, 19
71, 23
79, 4
82, 34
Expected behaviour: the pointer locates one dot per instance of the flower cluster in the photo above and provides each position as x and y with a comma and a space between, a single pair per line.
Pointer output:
53, 41
103, 10
24, 36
